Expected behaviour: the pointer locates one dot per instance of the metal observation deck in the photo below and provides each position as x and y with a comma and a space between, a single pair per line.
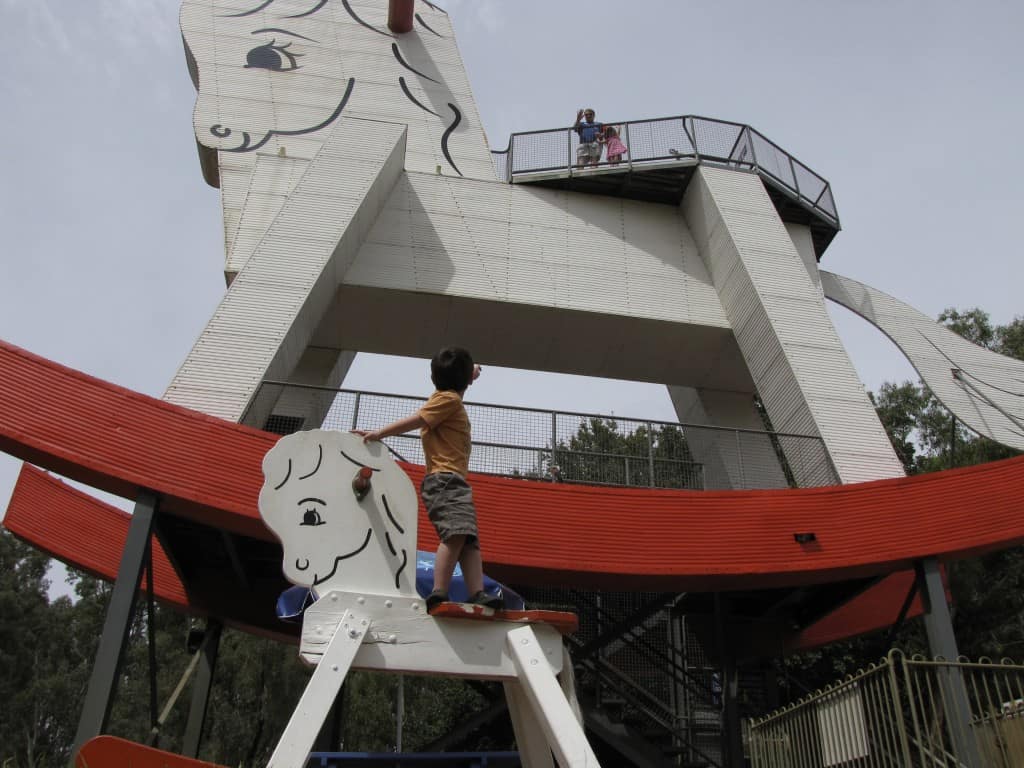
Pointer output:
659, 165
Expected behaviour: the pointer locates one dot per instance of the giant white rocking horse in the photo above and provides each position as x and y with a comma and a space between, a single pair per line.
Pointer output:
346, 516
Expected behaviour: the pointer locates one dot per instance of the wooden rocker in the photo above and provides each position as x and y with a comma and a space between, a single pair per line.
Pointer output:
346, 516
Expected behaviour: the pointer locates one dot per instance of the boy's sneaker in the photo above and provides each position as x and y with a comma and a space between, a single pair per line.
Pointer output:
487, 601
436, 597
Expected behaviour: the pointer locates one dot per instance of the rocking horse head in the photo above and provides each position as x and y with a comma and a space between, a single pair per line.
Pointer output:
345, 514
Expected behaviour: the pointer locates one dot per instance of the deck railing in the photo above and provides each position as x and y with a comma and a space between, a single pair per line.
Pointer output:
904, 713
672, 140
564, 446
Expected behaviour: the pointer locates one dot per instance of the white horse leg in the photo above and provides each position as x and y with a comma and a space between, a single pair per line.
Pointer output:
567, 680
550, 707
534, 751
293, 749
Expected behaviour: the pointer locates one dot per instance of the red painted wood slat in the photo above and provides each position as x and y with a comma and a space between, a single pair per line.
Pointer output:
532, 532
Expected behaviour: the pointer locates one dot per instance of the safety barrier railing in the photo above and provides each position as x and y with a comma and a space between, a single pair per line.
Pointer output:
564, 446
903, 712
672, 140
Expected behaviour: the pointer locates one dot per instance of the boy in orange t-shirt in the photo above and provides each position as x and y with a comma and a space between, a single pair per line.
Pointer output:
445, 432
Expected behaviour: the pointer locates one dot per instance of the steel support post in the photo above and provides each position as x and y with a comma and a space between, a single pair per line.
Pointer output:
201, 687
938, 625
732, 734
103, 682
937, 622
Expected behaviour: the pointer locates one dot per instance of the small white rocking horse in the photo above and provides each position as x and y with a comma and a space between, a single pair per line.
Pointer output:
356, 547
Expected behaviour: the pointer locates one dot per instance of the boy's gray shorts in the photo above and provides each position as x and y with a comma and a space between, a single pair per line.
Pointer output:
449, 502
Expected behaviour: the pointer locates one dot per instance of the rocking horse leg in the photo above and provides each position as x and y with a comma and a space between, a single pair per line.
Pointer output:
534, 751
293, 749
567, 681
550, 707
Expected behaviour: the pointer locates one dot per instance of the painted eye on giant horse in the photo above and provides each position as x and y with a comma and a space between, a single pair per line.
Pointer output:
272, 57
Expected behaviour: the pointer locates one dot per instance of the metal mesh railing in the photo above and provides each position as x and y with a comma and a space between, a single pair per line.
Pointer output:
652, 143
903, 713
566, 447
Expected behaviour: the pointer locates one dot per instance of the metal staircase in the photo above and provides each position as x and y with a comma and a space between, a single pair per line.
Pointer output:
646, 686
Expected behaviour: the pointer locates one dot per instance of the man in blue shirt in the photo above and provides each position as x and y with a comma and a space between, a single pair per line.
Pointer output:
590, 133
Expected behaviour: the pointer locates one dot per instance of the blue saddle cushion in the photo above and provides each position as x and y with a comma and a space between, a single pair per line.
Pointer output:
294, 600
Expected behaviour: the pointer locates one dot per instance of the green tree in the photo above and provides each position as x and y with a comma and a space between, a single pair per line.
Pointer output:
45, 658
603, 452
257, 684
47, 650
899, 408
24, 615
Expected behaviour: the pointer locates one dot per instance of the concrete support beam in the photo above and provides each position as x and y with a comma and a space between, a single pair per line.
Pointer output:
264, 324
319, 367
802, 373
731, 460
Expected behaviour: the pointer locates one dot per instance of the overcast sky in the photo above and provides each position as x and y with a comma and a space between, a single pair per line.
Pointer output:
112, 243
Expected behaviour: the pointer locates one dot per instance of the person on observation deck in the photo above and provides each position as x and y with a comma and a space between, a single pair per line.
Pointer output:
613, 146
591, 135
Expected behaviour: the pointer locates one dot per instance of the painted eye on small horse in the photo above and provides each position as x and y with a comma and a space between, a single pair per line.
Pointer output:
271, 56
311, 517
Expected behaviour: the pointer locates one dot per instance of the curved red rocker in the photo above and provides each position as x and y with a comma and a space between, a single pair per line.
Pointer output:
208, 470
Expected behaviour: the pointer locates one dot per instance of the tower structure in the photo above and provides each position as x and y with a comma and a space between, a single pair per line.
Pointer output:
363, 213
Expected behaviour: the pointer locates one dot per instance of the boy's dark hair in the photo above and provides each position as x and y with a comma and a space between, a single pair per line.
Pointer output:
451, 369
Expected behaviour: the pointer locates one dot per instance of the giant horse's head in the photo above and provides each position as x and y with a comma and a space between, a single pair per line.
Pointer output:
268, 71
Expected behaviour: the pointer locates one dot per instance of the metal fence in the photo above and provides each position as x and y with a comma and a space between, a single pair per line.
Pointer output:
905, 713
564, 446
652, 143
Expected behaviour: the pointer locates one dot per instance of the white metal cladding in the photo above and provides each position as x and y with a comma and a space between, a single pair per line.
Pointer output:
271, 180
801, 370
988, 394
801, 236
416, 79
500, 242
262, 327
